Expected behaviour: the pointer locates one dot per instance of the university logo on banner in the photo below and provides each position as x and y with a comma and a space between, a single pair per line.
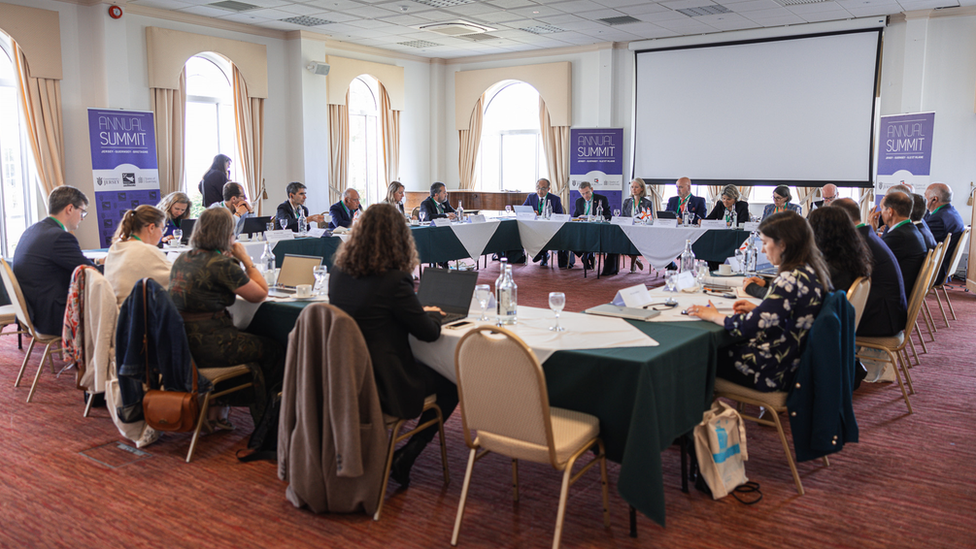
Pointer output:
596, 155
124, 169
904, 152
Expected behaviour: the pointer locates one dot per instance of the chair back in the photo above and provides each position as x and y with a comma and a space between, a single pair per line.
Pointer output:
956, 256
857, 295
941, 252
415, 213
502, 388
922, 284
16, 296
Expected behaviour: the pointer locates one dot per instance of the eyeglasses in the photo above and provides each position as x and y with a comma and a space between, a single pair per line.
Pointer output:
829, 198
84, 213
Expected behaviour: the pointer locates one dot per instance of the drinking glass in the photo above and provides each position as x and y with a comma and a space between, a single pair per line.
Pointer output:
177, 237
422, 215
701, 273
616, 212
557, 300
508, 209
482, 292
671, 280
284, 224
270, 225
321, 272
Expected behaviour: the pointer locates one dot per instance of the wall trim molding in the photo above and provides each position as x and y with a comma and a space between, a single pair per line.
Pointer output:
529, 54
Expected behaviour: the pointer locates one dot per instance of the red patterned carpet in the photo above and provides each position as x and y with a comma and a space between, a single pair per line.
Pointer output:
911, 482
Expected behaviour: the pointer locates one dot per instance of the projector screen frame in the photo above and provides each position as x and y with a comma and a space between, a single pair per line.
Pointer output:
868, 183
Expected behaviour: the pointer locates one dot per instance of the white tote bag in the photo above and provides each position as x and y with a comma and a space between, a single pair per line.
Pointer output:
720, 444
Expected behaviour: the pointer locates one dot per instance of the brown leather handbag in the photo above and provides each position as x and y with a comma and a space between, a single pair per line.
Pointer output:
173, 411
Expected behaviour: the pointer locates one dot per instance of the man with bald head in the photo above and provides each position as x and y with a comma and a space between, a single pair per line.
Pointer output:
828, 193
343, 211
903, 238
686, 201
944, 221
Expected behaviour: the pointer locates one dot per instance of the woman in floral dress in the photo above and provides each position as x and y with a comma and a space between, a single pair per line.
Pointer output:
776, 329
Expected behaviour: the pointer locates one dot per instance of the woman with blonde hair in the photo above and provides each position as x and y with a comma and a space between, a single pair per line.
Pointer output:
637, 199
134, 255
394, 195
176, 207
372, 281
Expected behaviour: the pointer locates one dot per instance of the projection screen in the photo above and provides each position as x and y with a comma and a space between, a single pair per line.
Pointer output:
795, 111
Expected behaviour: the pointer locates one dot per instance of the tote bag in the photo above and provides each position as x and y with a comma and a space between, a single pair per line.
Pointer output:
720, 444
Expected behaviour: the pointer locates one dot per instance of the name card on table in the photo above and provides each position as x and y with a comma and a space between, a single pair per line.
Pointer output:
621, 220
316, 233
275, 236
525, 216
442, 222
686, 280
635, 297
562, 218
665, 222
477, 218
713, 224
750, 226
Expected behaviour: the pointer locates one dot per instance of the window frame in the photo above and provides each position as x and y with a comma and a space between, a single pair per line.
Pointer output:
541, 168
28, 181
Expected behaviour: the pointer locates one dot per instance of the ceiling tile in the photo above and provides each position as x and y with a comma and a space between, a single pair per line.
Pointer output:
775, 20
685, 4
164, 4
556, 20
837, 15
473, 9
643, 9
499, 16
333, 4
535, 12
509, 4
204, 11
582, 25
301, 9
812, 8
755, 5
621, 3
405, 20
727, 21
657, 17
374, 24
600, 14
266, 3
576, 6
366, 11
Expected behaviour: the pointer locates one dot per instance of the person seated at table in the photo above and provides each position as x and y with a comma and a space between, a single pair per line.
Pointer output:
886, 311
46, 256
212, 184
945, 222
918, 211
729, 204
134, 255
903, 238
436, 205
638, 195
289, 209
538, 201
203, 283
176, 208
776, 328
394, 196
589, 204
828, 193
236, 205
345, 210
372, 281
781, 203
686, 201
874, 218
843, 248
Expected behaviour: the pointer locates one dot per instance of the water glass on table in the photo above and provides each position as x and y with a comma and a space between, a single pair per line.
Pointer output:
321, 273
482, 292
671, 280
557, 300
284, 224
422, 215
177, 237
508, 209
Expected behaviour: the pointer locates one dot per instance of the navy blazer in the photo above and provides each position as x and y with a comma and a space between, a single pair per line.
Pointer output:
553, 200
695, 203
598, 199
907, 244
886, 311
285, 211
926, 232
340, 217
820, 399
741, 211
946, 225
429, 205
45, 257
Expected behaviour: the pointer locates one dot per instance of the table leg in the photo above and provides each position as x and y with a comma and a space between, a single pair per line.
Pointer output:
633, 521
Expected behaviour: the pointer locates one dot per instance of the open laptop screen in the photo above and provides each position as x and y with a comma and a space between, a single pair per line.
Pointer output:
297, 269
449, 290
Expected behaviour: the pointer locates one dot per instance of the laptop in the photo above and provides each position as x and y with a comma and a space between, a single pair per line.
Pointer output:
449, 290
254, 225
667, 215
187, 227
609, 309
295, 270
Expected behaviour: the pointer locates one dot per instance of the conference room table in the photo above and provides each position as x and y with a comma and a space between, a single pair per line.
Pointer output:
644, 397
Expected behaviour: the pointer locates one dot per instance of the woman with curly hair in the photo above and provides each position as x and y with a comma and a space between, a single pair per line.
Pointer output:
176, 207
372, 281
843, 248
775, 329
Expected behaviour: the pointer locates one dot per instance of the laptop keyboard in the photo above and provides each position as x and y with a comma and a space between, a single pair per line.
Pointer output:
451, 317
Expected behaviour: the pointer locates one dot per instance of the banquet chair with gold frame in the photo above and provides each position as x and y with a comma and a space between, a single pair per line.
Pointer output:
857, 296
953, 266
502, 392
942, 248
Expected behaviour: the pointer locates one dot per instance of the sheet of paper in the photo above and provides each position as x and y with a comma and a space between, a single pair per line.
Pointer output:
713, 224
621, 220
477, 218
635, 297
750, 226
686, 280
316, 233
665, 222
275, 236
442, 222
526, 216
562, 218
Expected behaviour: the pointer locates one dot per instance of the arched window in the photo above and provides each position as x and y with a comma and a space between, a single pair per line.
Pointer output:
365, 171
511, 155
17, 187
210, 126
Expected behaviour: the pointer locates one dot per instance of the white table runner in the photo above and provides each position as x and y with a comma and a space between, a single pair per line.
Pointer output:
660, 245
536, 234
475, 236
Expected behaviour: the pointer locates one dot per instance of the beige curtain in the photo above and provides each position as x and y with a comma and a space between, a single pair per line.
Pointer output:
804, 197
655, 193
249, 122
339, 145
555, 144
469, 143
41, 103
867, 202
391, 136
169, 108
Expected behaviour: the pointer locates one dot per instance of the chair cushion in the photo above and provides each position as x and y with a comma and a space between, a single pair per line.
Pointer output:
8, 315
224, 373
389, 420
570, 430
892, 342
775, 399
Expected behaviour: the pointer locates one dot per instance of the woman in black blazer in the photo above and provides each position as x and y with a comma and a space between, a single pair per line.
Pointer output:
372, 281
730, 202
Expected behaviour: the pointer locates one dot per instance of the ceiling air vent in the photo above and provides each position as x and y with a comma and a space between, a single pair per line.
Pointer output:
479, 37
444, 3
543, 29
704, 10
419, 44
307, 21
622, 20
455, 28
232, 6
787, 3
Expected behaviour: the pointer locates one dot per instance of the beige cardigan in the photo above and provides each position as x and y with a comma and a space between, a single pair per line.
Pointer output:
332, 454
132, 260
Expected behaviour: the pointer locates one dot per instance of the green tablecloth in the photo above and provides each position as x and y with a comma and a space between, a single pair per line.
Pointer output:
645, 397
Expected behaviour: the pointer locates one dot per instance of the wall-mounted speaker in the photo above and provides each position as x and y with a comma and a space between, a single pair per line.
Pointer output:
316, 67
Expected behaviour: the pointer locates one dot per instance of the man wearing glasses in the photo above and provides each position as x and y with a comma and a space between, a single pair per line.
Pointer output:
828, 193
47, 254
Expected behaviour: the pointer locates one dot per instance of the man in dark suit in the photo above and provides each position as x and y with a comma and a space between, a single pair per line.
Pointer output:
686, 201
436, 205
588, 204
343, 210
945, 222
886, 311
289, 209
903, 238
47, 254
918, 210
538, 202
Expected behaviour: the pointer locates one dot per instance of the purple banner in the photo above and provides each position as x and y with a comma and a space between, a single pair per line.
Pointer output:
596, 155
905, 151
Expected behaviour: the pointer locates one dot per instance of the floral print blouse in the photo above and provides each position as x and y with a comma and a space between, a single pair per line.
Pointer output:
776, 329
